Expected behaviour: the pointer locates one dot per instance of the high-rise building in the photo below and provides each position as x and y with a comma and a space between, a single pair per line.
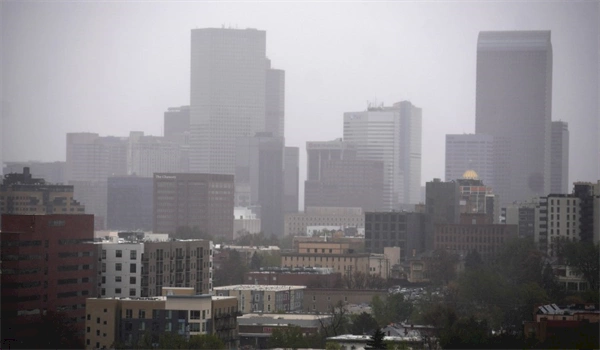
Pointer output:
230, 76
392, 135
319, 152
259, 164
48, 266
513, 104
275, 101
129, 203
147, 155
202, 201
559, 158
291, 179
176, 121
395, 229
347, 183
470, 152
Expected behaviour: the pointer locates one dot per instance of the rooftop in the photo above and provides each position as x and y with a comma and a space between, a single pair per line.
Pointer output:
259, 287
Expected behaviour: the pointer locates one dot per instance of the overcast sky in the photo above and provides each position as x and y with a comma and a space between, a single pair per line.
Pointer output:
111, 67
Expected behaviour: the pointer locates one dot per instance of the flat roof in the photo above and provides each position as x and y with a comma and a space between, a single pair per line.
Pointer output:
305, 317
260, 287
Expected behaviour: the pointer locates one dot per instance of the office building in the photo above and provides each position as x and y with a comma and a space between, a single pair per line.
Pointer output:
181, 263
291, 179
470, 152
391, 135
347, 183
202, 201
176, 121
264, 298
395, 229
52, 172
147, 155
232, 89
513, 104
259, 165
296, 224
48, 265
473, 233
559, 158
320, 152
442, 201
129, 203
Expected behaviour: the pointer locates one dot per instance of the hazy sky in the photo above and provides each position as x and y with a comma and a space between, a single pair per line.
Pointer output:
111, 67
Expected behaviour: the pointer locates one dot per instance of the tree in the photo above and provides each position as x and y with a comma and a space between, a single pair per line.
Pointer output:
287, 337
376, 341
584, 258
339, 321
186, 232
363, 324
473, 260
205, 341
231, 271
56, 331
393, 309
442, 267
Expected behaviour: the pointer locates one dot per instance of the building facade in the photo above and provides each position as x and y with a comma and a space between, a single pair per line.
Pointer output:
120, 269
323, 216
233, 92
559, 158
203, 201
470, 152
513, 104
291, 179
48, 265
265, 298
129, 203
395, 229
181, 263
52, 172
391, 135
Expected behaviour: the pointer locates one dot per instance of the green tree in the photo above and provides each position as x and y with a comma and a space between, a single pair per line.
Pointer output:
186, 232
287, 337
584, 258
205, 341
56, 331
393, 309
363, 323
442, 267
376, 341
473, 260
231, 270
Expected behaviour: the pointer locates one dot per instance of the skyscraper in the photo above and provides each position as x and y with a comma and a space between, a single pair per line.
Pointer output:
392, 135
559, 158
228, 94
513, 104
291, 179
470, 152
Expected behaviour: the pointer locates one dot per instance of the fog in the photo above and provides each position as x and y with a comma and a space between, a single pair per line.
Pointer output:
111, 67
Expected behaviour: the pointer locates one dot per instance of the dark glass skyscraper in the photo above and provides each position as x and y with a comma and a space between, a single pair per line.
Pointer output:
513, 104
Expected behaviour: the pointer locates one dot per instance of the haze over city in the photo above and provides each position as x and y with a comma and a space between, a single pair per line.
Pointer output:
114, 67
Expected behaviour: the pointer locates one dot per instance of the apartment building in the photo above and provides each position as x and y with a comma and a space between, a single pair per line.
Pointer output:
120, 269
265, 298
296, 223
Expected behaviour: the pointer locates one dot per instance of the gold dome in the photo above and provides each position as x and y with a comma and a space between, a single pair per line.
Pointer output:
471, 175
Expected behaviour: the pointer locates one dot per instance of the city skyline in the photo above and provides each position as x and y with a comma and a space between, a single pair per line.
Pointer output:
96, 84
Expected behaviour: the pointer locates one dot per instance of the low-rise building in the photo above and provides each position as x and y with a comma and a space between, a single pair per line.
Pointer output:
325, 299
265, 298
304, 276
567, 321
256, 329
359, 342
112, 322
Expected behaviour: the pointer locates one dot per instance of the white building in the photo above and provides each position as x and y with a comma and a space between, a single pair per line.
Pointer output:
470, 152
120, 269
392, 135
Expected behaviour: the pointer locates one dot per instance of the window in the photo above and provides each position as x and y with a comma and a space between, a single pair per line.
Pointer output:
194, 327
117, 290
103, 279
128, 313
117, 278
132, 268
103, 291
103, 253
118, 266
133, 254
89, 317
88, 329
132, 292
194, 315
142, 314
132, 280
119, 253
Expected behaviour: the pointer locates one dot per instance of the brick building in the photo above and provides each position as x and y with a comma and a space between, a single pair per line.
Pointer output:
48, 265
